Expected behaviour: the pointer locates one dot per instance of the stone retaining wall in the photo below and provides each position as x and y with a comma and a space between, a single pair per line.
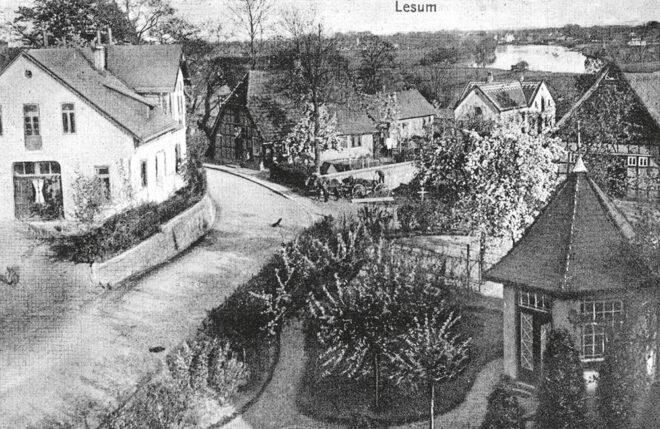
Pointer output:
175, 236
395, 174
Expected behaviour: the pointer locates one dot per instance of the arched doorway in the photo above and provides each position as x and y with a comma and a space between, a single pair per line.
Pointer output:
38, 190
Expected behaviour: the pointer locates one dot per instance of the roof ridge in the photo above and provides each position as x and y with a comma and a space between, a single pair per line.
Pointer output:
571, 233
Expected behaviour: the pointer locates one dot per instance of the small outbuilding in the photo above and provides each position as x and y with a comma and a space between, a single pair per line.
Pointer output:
573, 268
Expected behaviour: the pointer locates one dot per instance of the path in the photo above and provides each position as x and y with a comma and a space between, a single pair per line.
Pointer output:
89, 351
276, 408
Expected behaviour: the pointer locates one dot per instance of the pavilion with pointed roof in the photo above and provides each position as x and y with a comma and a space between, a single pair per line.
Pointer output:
575, 267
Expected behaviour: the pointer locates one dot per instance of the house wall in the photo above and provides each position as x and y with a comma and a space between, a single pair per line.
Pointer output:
510, 343
413, 126
159, 151
234, 119
643, 177
468, 107
96, 142
176, 101
365, 148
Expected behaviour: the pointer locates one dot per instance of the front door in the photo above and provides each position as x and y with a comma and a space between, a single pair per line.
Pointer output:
533, 333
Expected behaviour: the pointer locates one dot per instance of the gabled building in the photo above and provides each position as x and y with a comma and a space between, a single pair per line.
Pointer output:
640, 159
114, 112
255, 116
529, 104
574, 268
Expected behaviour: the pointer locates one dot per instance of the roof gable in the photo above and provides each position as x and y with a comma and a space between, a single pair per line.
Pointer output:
109, 95
504, 96
579, 243
647, 88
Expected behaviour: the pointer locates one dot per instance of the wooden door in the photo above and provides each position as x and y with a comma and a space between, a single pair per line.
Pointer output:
532, 338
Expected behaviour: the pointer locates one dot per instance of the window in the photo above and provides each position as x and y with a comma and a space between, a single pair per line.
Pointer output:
478, 111
0, 120
356, 141
597, 315
31, 119
68, 118
177, 158
542, 104
642, 161
572, 157
103, 173
156, 169
160, 166
143, 173
535, 301
164, 99
632, 161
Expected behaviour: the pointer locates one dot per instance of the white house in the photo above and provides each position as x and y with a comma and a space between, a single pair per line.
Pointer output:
528, 103
115, 112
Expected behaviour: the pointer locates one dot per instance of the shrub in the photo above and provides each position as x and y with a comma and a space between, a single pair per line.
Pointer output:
159, 405
378, 221
89, 194
423, 216
122, 231
290, 174
650, 418
561, 395
623, 381
504, 411
208, 366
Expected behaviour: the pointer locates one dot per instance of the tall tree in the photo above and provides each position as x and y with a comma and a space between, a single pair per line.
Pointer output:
72, 22
377, 57
146, 17
494, 182
430, 352
312, 69
298, 146
252, 17
484, 51
562, 393
360, 320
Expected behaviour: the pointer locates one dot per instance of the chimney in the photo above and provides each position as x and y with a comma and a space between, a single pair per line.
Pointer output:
490, 78
98, 53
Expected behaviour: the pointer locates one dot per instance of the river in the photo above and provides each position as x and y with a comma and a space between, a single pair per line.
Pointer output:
550, 58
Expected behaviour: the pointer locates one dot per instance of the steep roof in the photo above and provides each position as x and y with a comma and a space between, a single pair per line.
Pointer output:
579, 244
412, 104
145, 68
505, 96
353, 121
647, 88
587, 94
105, 92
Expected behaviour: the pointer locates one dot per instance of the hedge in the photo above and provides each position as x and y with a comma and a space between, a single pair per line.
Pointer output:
290, 174
121, 231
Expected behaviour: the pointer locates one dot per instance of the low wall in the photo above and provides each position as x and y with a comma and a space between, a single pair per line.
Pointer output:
175, 236
395, 174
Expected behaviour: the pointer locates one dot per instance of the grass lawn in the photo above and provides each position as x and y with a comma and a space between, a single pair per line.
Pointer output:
336, 398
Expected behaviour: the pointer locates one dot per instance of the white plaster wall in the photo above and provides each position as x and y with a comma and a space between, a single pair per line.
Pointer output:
466, 108
158, 190
366, 149
413, 126
97, 141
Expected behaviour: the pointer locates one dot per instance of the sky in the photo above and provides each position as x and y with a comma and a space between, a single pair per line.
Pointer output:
380, 17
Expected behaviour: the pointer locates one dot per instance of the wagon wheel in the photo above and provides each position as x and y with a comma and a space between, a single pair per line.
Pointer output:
380, 190
359, 191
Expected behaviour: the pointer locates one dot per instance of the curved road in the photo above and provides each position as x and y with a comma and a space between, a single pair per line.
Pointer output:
94, 348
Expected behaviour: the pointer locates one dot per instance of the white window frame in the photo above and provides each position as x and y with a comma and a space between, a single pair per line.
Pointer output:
632, 161
597, 314
105, 178
68, 118
643, 161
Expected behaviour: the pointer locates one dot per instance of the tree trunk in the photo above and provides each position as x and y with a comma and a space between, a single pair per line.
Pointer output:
317, 147
376, 382
431, 405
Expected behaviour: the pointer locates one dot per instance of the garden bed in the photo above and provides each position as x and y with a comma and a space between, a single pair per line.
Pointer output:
338, 399
121, 231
